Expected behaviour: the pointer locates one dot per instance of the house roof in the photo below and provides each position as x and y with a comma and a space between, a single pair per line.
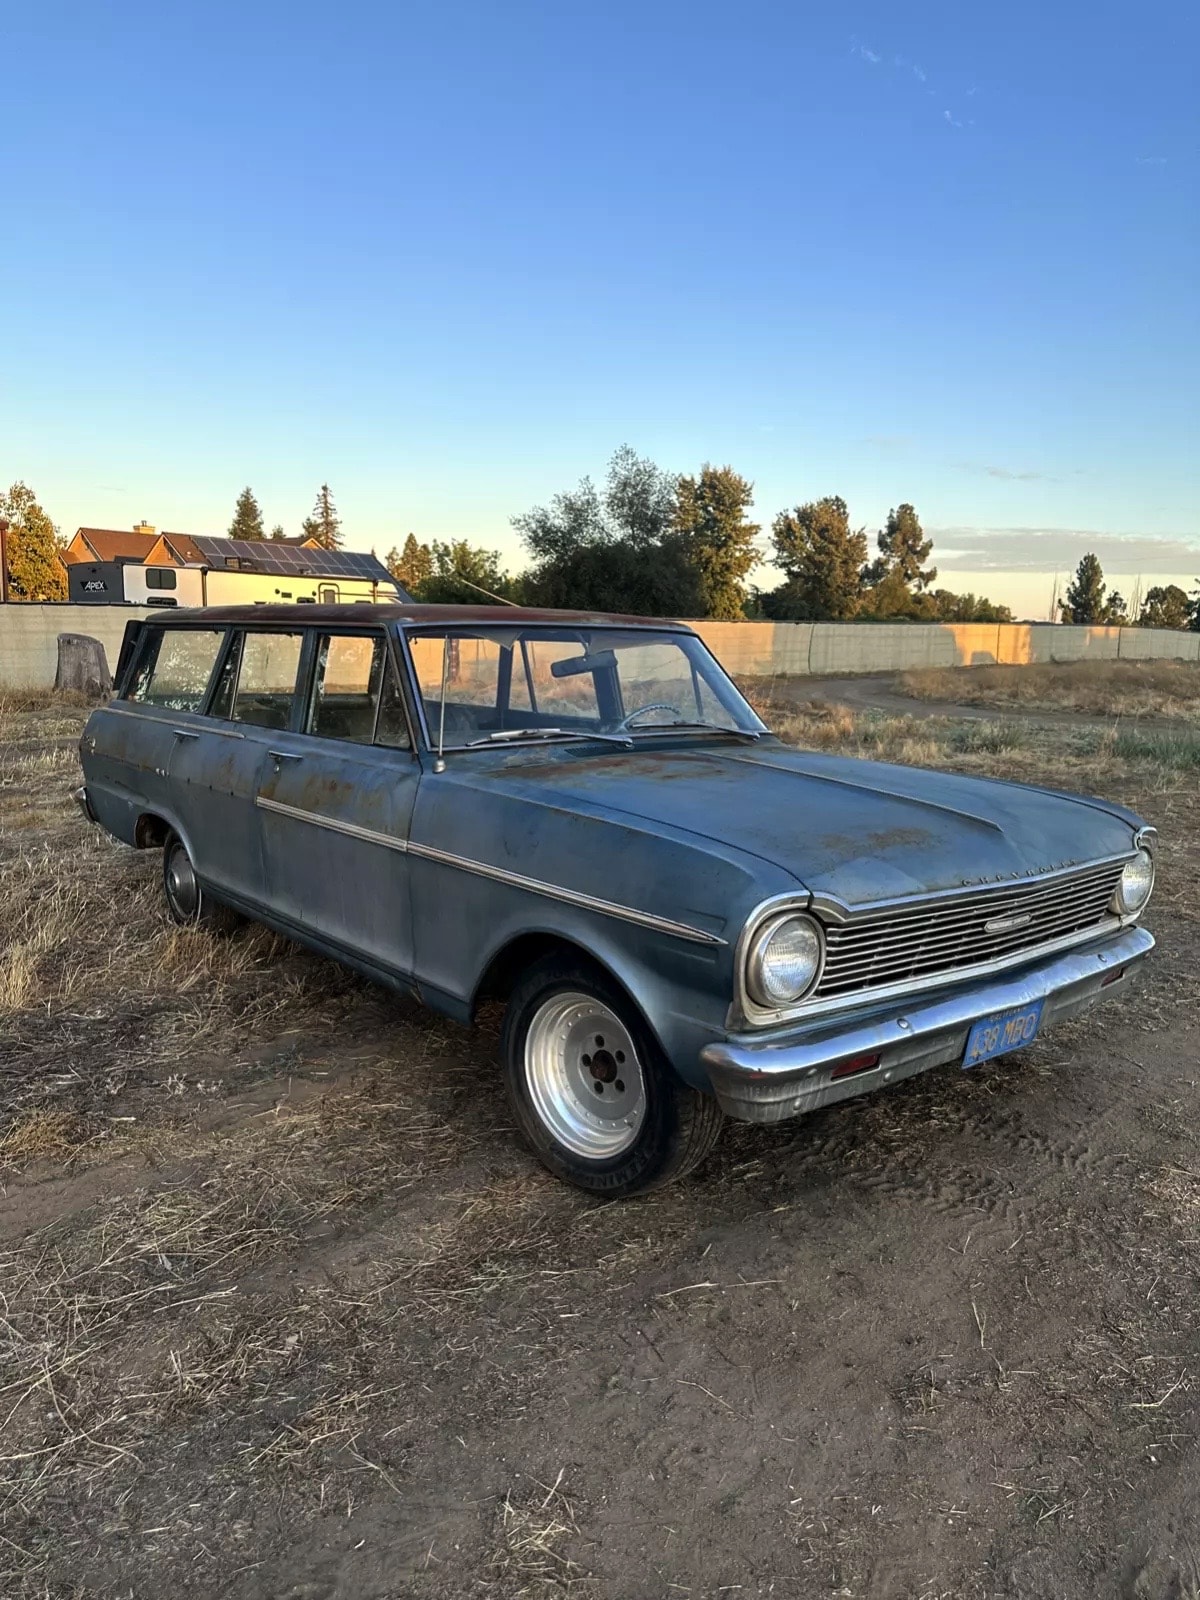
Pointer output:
117, 544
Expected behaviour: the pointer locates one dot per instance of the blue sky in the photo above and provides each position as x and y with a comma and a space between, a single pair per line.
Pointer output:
447, 257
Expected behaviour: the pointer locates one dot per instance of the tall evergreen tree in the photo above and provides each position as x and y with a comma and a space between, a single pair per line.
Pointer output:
1085, 594
902, 548
247, 517
411, 567
324, 525
710, 514
35, 571
277, 532
823, 559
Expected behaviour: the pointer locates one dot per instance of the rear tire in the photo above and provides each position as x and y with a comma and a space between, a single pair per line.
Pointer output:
591, 1090
188, 901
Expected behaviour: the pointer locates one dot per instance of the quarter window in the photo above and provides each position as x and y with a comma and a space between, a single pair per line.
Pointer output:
174, 667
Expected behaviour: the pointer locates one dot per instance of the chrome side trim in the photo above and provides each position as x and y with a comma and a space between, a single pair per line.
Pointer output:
587, 902
571, 897
334, 824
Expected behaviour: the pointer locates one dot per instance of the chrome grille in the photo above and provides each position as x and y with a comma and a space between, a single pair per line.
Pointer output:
873, 951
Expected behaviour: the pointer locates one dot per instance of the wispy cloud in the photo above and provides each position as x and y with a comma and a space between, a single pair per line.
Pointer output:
887, 441
1010, 476
1151, 161
913, 69
972, 549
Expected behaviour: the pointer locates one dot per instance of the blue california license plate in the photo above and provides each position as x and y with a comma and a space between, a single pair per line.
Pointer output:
1001, 1032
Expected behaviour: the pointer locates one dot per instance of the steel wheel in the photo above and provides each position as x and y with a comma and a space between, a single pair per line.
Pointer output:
584, 1076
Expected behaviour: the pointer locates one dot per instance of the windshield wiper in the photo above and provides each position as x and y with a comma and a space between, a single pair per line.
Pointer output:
708, 727
506, 734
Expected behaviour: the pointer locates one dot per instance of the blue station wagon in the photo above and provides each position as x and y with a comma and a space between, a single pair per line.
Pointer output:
581, 816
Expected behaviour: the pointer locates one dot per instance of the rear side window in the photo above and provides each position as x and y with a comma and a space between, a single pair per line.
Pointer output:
258, 680
174, 666
355, 695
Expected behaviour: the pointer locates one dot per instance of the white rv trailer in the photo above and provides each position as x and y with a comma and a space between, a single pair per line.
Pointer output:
238, 572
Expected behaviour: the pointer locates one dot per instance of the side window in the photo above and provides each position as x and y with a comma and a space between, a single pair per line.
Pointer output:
347, 685
160, 578
174, 666
266, 679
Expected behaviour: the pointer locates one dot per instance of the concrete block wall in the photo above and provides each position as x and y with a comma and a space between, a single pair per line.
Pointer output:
29, 638
29, 643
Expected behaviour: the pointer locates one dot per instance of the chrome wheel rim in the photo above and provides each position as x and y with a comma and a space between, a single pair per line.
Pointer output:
584, 1076
182, 889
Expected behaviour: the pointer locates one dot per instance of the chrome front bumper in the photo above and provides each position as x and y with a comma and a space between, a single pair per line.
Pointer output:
767, 1080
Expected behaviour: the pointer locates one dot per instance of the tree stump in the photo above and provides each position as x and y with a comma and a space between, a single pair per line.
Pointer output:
82, 666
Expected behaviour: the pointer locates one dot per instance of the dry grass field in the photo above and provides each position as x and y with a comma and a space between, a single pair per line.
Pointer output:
1092, 688
286, 1313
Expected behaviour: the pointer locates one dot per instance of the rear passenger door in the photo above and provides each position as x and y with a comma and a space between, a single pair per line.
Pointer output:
219, 759
336, 800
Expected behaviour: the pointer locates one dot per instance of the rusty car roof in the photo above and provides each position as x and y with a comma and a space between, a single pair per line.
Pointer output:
416, 615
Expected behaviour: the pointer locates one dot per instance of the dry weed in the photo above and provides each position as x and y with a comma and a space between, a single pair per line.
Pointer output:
1094, 688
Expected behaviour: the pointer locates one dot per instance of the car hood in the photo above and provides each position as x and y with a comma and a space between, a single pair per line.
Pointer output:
857, 831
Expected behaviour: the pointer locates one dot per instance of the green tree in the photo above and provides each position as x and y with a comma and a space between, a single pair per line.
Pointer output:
35, 571
324, 525
277, 532
945, 606
411, 567
710, 514
1167, 607
823, 560
459, 571
247, 517
1085, 601
616, 549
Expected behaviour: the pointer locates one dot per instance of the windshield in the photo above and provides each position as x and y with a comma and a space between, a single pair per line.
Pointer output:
542, 682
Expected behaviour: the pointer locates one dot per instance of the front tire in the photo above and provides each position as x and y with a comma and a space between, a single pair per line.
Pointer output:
591, 1090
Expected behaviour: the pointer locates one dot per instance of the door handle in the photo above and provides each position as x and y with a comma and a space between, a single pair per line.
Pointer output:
284, 755
185, 733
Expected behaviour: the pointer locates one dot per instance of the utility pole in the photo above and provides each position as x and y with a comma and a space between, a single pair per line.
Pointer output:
4, 526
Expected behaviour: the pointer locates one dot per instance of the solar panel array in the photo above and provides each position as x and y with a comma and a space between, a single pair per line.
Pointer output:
290, 560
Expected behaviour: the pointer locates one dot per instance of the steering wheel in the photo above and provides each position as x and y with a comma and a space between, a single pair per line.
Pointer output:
655, 705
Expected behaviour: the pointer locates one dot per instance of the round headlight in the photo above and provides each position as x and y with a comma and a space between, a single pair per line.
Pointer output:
1137, 880
784, 961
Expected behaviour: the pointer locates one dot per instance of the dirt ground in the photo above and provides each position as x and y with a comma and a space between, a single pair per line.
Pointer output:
286, 1314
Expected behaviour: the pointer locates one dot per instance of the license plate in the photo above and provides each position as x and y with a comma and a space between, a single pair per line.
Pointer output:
1001, 1032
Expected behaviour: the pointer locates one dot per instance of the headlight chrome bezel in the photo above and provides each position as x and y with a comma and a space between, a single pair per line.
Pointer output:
1122, 904
754, 962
